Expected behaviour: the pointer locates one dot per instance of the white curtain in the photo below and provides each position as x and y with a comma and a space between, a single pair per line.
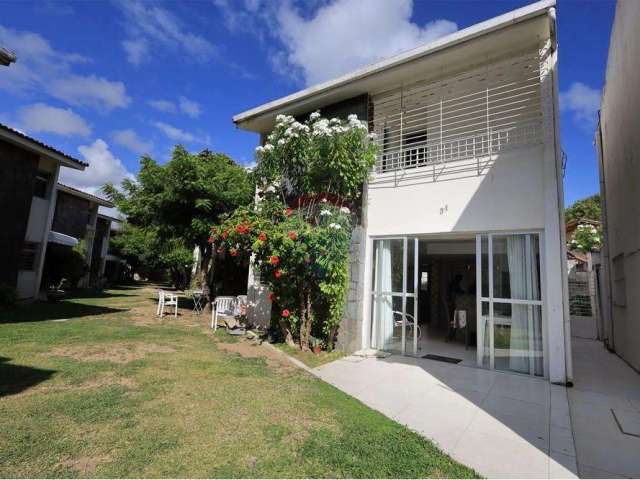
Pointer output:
526, 332
383, 310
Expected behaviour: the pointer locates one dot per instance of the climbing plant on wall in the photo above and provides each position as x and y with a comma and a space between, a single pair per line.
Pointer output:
310, 178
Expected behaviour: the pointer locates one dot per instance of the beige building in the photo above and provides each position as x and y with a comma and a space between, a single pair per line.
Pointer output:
618, 144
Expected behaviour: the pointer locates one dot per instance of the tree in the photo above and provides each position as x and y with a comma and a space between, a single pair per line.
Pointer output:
169, 208
585, 209
311, 176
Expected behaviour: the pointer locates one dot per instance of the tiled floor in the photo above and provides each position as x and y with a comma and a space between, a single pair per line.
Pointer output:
602, 383
500, 424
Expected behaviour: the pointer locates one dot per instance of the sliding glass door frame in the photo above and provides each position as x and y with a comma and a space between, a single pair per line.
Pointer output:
491, 299
404, 294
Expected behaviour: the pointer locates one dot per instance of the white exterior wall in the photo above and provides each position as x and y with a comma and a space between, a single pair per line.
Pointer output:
510, 196
38, 227
619, 177
521, 191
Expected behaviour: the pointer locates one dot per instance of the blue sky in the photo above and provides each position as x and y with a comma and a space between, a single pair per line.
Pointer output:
108, 81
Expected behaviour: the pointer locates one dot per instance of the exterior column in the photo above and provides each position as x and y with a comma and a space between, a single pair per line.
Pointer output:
47, 228
554, 243
89, 237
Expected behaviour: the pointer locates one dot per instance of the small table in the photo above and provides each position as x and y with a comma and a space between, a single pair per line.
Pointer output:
198, 296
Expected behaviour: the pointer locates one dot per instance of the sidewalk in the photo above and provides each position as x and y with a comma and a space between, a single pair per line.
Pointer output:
502, 425
604, 400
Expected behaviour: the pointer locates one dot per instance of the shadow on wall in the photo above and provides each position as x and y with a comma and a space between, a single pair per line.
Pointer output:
17, 378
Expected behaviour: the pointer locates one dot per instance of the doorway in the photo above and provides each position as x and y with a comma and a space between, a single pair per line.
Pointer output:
472, 299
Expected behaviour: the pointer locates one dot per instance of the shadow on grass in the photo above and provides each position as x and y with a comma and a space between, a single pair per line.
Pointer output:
63, 310
18, 378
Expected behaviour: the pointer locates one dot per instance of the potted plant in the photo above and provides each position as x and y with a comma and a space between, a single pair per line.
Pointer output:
316, 345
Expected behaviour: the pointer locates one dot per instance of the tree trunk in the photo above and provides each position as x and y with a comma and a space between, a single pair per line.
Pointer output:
305, 320
286, 332
331, 337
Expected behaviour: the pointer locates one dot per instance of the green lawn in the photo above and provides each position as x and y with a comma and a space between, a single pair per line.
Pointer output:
97, 387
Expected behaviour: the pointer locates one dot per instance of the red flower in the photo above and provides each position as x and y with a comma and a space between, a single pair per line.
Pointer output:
285, 313
233, 252
225, 234
274, 260
288, 212
277, 274
242, 229
293, 235
211, 239
262, 237
272, 297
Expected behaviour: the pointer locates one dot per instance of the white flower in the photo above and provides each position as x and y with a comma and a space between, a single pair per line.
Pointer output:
345, 210
352, 117
325, 212
373, 136
268, 147
270, 189
314, 115
324, 200
335, 226
259, 149
281, 142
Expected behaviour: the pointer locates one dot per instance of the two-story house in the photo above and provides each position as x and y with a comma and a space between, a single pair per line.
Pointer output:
460, 253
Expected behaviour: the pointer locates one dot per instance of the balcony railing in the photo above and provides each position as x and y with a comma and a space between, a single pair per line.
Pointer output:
465, 119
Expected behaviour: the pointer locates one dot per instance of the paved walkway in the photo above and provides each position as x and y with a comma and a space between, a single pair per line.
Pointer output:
500, 424
604, 386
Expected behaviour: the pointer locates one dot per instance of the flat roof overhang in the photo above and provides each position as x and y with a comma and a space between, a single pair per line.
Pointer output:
515, 31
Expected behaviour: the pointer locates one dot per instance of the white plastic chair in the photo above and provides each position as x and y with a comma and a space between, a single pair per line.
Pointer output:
411, 322
166, 299
222, 306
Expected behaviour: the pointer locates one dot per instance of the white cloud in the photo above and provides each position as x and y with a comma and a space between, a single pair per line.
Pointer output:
348, 34
186, 106
148, 22
103, 167
93, 91
137, 50
175, 133
130, 140
190, 107
40, 68
336, 38
583, 101
163, 106
44, 118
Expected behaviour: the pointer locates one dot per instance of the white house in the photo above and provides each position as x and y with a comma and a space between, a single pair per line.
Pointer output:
462, 222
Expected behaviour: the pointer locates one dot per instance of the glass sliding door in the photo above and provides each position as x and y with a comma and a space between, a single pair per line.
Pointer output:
509, 302
393, 302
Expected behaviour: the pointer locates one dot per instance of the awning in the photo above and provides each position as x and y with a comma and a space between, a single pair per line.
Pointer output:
62, 239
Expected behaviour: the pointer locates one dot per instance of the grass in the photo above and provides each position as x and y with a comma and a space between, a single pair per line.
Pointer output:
108, 390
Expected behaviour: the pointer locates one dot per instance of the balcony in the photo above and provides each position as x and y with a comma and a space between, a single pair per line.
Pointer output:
459, 124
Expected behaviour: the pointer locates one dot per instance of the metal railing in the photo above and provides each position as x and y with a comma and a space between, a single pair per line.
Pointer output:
473, 115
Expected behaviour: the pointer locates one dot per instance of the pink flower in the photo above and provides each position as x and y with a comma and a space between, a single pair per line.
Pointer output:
274, 260
262, 237
277, 274
285, 313
293, 235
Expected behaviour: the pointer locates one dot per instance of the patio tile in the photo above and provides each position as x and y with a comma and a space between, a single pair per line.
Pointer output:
522, 388
560, 418
562, 466
591, 472
500, 457
512, 427
561, 441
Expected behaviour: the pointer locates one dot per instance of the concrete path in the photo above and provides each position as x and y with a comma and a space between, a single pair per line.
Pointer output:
502, 425
605, 401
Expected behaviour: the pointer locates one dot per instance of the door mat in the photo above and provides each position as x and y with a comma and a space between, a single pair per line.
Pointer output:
440, 358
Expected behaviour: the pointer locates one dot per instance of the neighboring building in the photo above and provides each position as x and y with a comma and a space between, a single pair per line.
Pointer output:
618, 145
7, 57
463, 210
76, 217
28, 176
